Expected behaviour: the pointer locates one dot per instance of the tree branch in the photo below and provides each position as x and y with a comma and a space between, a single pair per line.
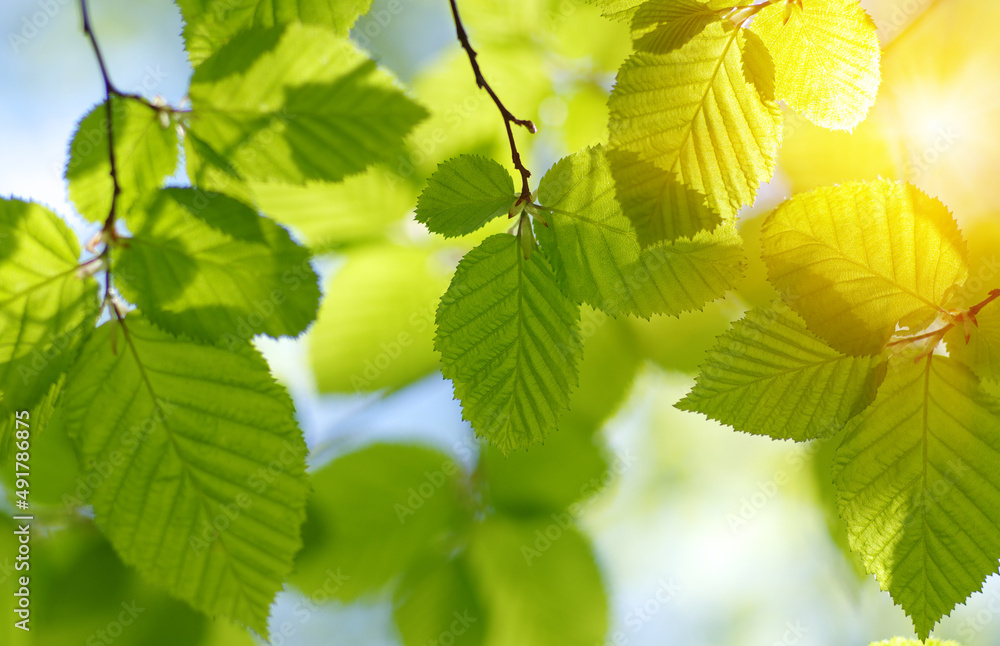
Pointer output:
109, 91
508, 118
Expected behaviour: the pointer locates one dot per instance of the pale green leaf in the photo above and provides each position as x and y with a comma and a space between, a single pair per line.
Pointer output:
545, 479
661, 26
436, 603
465, 193
857, 259
360, 208
46, 308
918, 479
982, 352
682, 344
826, 59
538, 582
622, 10
770, 376
508, 340
375, 514
297, 104
376, 325
196, 465
207, 266
611, 361
691, 136
145, 155
595, 252
210, 24
902, 641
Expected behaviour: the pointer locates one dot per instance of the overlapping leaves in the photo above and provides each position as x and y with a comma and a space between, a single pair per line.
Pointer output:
916, 468
694, 127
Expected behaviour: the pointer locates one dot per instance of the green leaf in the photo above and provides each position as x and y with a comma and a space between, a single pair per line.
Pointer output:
547, 479
691, 136
538, 583
826, 59
595, 253
297, 104
509, 342
465, 193
437, 604
207, 266
982, 352
661, 26
376, 326
196, 464
856, 259
210, 24
611, 361
145, 155
682, 344
621, 10
918, 476
46, 308
375, 514
770, 376
360, 208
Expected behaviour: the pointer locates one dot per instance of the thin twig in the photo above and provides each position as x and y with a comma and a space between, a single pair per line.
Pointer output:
508, 118
108, 231
109, 92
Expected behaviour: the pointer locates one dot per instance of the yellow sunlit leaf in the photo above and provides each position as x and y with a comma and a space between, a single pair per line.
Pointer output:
856, 260
826, 59
698, 123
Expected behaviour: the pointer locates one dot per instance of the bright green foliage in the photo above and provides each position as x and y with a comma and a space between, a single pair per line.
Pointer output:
326, 215
375, 513
826, 59
545, 479
538, 591
46, 309
770, 376
661, 26
856, 259
437, 602
145, 154
694, 127
508, 341
918, 475
611, 360
210, 24
682, 344
376, 325
464, 194
180, 436
982, 352
296, 104
207, 266
595, 252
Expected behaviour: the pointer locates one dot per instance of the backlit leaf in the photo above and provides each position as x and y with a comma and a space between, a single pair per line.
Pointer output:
770, 376
198, 463
857, 259
297, 104
465, 193
145, 155
595, 252
508, 341
918, 478
692, 128
207, 266
826, 58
